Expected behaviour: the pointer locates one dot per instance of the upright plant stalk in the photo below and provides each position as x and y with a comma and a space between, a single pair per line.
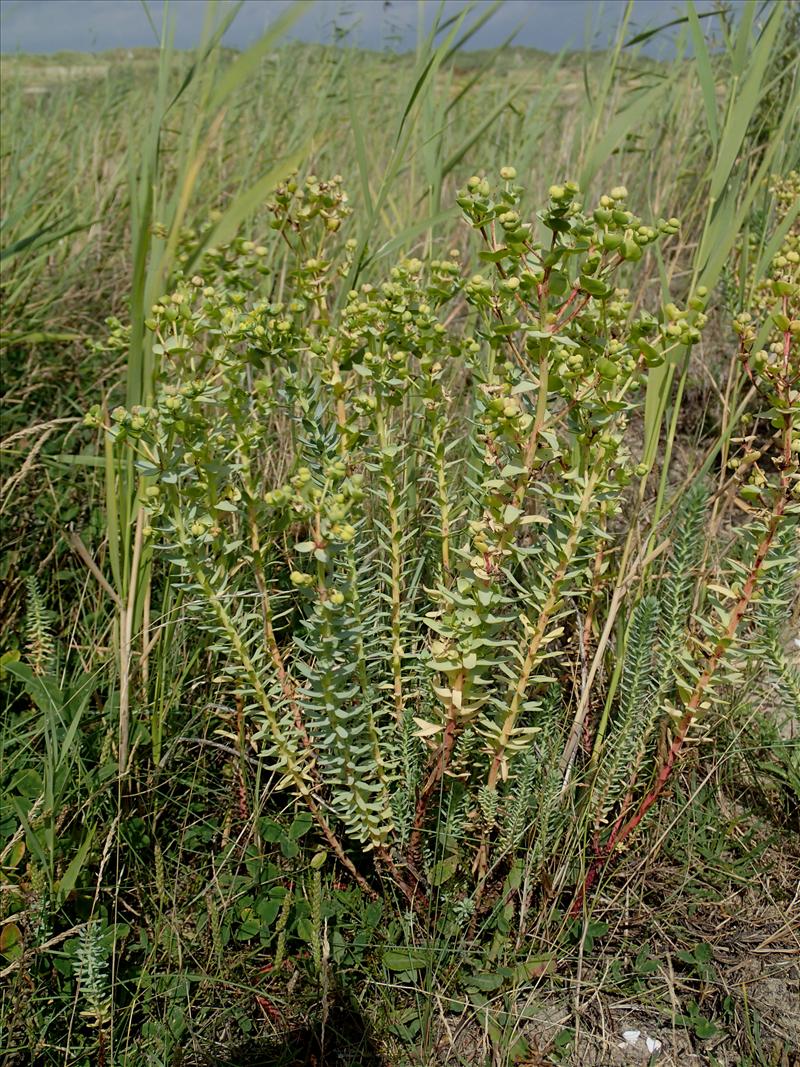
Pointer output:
440, 762
126, 621
390, 471
776, 380
270, 642
291, 765
623, 830
498, 766
439, 451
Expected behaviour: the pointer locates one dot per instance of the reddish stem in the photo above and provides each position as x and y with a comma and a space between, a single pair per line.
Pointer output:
441, 760
573, 314
623, 830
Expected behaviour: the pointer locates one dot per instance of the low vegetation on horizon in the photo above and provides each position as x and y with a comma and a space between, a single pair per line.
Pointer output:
401, 615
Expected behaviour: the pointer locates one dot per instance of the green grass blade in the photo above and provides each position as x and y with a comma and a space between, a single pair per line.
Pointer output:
743, 37
744, 105
360, 149
704, 72
246, 65
622, 124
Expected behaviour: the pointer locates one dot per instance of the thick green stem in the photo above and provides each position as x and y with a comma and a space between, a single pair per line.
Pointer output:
389, 475
443, 499
499, 765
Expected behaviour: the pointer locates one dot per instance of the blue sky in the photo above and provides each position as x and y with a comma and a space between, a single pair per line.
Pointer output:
95, 25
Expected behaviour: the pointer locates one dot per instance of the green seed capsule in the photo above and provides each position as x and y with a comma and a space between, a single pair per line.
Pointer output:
607, 369
630, 250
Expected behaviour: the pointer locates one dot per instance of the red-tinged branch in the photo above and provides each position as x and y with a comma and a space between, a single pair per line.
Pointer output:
623, 830
573, 314
271, 643
441, 761
537, 637
335, 846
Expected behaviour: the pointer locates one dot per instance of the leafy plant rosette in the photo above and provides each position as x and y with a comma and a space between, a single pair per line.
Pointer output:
406, 513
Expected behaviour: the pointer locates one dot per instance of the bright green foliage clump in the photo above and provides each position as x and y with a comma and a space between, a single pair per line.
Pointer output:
397, 509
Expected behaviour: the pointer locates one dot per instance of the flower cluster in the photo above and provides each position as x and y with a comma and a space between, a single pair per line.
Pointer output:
297, 204
769, 346
561, 293
326, 509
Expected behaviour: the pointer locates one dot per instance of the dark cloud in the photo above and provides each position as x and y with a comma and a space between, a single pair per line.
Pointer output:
95, 25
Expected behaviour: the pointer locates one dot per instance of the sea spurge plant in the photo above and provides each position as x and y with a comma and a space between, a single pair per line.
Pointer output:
566, 365
753, 578
337, 703
399, 511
